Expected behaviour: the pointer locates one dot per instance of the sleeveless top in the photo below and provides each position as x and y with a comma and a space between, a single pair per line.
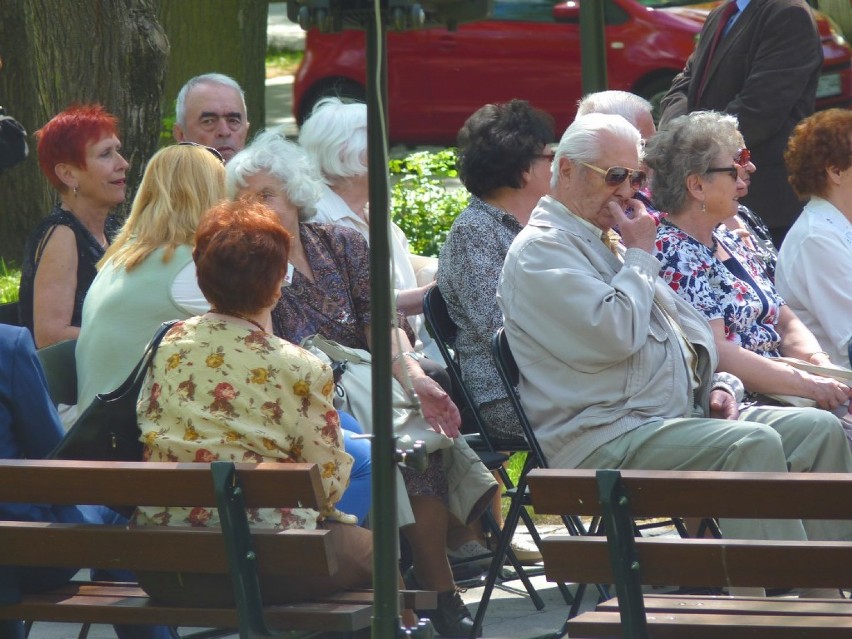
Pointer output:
89, 252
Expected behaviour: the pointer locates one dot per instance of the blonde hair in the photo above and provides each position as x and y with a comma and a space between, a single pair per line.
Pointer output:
179, 185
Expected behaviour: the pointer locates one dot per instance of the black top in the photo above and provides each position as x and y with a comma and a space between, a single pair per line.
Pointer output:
89, 252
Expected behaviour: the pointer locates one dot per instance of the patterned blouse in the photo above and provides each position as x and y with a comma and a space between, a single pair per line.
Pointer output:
468, 272
736, 290
221, 391
337, 304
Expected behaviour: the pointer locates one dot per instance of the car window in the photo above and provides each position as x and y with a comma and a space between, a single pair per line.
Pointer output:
524, 10
542, 10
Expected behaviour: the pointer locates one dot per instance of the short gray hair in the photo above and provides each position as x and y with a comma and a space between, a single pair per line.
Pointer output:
335, 136
688, 146
271, 153
583, 139
628, 105
207, 78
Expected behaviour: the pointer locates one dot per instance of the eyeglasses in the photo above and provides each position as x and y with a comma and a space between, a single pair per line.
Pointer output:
733, 171
742, 157
215, 153
615, 175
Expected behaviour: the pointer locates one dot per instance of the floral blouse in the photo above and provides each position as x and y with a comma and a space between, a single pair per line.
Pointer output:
336, 304
736, 290
220, 391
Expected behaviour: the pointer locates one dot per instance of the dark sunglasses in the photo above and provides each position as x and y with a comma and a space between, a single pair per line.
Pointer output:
742, 157
615, 175
733, 171
215, 153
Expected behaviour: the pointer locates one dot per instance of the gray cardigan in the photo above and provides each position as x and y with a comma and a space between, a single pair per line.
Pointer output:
597, 354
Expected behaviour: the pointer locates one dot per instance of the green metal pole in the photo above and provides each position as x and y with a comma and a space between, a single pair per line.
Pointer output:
593, 46
383, 516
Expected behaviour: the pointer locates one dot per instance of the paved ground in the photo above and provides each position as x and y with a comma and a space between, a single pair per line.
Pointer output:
511, 614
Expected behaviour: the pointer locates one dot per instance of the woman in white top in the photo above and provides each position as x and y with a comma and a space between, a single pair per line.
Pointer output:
814, 261
335, 137
147, 276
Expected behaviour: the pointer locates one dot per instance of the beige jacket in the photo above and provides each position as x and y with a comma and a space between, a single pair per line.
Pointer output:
597, 354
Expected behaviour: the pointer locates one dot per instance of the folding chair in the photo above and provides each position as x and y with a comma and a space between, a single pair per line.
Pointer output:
60, 369
444, 330
507, 368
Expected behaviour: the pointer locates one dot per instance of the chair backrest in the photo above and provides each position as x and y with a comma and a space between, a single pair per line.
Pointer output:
507, 368
60, 370
445, 331
9, 314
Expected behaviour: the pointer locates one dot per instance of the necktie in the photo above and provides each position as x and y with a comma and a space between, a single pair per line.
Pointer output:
612, 241
727, 11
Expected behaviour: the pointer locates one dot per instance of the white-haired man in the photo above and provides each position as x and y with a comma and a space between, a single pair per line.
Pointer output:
211, 110
618, 372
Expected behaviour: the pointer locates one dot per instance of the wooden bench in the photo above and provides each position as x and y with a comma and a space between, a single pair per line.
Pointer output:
233, 550
628, 562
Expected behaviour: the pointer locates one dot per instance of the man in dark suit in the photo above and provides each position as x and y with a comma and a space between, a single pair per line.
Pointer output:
759, 60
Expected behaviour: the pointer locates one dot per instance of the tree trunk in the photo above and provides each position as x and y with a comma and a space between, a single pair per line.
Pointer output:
57, 52
223, 36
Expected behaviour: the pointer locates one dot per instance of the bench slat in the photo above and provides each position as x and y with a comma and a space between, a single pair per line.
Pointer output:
331, 616
287, 552
712, 626
698, 494
152, 483
704, 562
740, 605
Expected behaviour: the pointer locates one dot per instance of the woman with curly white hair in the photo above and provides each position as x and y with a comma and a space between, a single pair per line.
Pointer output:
335, 138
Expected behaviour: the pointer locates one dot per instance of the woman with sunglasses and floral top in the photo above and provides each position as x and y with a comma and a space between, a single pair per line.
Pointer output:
696, 179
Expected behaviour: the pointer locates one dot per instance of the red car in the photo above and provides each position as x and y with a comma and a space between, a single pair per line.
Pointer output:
528, 49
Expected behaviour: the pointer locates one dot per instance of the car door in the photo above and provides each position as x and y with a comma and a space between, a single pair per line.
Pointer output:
521, 52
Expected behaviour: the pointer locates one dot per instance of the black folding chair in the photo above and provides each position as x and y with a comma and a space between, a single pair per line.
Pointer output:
444, 330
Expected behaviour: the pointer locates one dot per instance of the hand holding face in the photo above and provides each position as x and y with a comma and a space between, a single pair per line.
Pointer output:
637, 231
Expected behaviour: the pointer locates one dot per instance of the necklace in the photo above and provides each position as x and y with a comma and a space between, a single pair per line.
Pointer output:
242, 317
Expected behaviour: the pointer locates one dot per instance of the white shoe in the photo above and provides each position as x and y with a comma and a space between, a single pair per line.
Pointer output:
469, 550
525, 550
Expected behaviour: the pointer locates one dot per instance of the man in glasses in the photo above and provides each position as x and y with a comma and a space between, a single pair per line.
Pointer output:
211, 110
616, 371
759, 60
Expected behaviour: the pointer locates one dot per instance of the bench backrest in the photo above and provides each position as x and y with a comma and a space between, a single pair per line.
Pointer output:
620, 496
159, 484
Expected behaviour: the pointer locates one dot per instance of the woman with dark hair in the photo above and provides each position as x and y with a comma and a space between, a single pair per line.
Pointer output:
696, 179
79, 154
812, 258
223, 387
504, 161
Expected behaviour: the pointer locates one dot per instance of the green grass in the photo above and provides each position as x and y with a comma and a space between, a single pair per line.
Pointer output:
282, 61
9, 281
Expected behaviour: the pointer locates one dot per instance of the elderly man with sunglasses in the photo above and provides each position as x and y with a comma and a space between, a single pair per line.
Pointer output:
616, 371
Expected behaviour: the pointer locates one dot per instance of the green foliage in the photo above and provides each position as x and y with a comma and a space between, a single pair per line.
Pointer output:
9, 281
426, 198
166, 137
280, 61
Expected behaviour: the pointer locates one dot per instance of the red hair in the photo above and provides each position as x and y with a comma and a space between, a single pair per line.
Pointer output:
240, 256
64, 138
822, 141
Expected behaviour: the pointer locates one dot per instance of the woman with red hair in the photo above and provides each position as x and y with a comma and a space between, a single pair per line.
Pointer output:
79, 153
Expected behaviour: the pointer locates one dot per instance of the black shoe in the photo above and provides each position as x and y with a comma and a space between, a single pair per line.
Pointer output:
452, 618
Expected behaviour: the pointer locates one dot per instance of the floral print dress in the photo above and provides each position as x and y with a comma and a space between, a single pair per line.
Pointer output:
737, 290
217, 390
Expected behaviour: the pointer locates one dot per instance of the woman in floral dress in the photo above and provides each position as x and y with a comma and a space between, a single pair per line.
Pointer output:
222, 387
695, 179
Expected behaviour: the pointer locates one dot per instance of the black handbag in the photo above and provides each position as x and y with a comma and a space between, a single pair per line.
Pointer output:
107, 429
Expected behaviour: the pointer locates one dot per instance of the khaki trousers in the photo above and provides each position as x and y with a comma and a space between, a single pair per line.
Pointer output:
765, 439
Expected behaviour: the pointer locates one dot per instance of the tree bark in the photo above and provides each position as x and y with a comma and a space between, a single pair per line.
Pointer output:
57, 52
224, 36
